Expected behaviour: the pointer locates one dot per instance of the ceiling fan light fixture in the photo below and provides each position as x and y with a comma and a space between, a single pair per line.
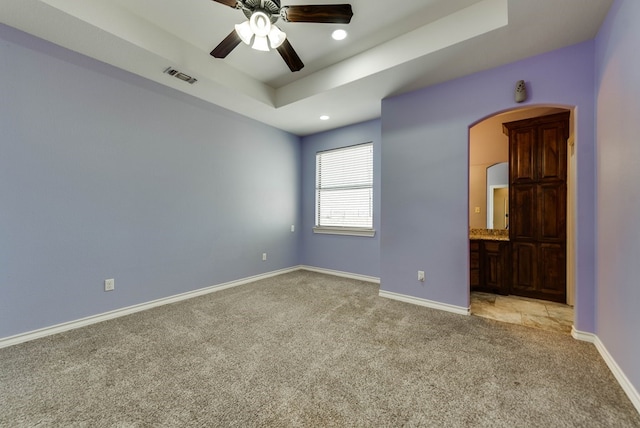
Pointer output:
276, 37
244, 32
260, 23
260, 43
261, 33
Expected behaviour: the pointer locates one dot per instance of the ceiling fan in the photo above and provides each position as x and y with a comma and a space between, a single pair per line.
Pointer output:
260, 27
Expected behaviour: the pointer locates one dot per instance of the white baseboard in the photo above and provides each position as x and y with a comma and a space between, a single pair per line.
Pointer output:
460, 310
622, 379
390, 295
71, 325
583, 336
341, 274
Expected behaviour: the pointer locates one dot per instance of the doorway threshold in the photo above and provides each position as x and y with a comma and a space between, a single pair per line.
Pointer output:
540, 314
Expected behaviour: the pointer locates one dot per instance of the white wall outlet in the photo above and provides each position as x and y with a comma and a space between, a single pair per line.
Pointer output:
421, 275
109, 284
264, 256
293, 228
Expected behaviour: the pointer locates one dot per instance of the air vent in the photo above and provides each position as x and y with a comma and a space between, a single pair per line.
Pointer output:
179, 75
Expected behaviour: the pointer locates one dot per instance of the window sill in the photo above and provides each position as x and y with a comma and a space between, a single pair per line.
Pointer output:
370, 233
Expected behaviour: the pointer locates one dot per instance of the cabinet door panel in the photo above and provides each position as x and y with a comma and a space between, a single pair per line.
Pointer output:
552, 203
522, 200
493, 272
553, 151
524, 275
522, 155
553, 271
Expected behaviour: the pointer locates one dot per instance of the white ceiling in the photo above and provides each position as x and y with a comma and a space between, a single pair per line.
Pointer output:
393, 47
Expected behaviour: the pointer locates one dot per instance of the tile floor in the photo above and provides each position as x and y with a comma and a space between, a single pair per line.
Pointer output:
521, 310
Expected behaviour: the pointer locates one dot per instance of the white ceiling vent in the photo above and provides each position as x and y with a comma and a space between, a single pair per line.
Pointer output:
184, 77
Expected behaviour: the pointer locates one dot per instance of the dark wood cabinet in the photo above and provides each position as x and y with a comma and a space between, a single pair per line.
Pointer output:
494, 266
537, 206
474, 263
489, 261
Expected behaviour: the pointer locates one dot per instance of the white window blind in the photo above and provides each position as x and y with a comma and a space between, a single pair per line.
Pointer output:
344, 187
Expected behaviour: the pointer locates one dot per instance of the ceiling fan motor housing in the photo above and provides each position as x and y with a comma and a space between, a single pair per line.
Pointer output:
270, 7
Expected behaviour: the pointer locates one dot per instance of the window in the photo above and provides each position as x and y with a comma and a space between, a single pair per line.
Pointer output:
344, 191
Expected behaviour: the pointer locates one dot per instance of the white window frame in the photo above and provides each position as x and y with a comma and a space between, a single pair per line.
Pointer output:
365, 183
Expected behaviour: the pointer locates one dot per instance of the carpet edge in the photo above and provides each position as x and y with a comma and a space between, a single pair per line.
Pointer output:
341, 274
128, 310
460, 310
618, 373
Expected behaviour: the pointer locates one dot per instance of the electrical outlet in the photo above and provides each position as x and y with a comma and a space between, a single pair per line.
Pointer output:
293, 228
264, 256
421, 275
109, 284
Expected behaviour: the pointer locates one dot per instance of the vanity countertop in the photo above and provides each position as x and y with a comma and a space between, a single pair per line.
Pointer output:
489, 234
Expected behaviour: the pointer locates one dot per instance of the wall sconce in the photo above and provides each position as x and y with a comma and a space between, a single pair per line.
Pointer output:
521, 91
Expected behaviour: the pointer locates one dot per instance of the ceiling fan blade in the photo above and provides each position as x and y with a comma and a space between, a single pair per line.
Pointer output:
290, 56
230, 3
227, 45
326, 14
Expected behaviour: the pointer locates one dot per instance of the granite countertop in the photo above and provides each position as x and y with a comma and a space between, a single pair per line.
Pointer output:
489, 234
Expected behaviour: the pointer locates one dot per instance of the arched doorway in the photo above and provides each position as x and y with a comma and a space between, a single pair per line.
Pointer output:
489, 256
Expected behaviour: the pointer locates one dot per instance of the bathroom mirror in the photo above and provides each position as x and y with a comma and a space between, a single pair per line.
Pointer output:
498, 215
498, 196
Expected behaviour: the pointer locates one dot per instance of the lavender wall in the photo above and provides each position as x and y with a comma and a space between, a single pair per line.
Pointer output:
352, 254
618, 129
107, 175
425, 172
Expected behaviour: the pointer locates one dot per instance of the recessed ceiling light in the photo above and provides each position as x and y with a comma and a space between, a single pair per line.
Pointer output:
339, 35
324, 117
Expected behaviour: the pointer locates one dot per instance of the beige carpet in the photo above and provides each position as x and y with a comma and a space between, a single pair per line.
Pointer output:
305, 349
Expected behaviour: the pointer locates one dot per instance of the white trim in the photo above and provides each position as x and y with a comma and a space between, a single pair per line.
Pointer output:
83, 322
583, 336
356, 276
424, 302
622, 379
389, 294
349, 231
490, 194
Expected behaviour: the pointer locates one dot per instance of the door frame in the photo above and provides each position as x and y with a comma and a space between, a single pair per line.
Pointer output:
572, 168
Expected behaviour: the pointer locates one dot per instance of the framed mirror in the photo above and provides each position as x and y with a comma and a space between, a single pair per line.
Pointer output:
498, 196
